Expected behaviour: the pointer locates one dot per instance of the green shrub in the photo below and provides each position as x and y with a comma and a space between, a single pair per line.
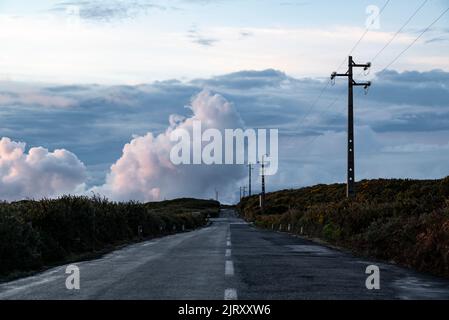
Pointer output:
38, 233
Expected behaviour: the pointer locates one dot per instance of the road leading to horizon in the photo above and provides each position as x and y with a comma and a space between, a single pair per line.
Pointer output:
229, 259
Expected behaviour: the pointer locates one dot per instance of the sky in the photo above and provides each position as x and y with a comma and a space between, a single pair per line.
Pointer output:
133, 42
90, 90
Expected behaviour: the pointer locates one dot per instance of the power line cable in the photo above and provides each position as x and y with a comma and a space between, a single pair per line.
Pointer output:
389, 42
385, 46
399, 31
321, 94
350, 52
338, 98
415, 40
401, 53
364, 34
313, 105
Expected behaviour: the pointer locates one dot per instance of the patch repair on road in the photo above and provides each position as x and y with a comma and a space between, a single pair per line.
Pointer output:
311, 249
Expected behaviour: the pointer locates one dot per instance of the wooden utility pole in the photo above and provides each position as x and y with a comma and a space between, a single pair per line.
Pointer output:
350, 188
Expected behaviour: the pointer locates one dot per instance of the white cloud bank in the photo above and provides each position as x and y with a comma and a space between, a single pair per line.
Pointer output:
38, 173
35, 98
145, 173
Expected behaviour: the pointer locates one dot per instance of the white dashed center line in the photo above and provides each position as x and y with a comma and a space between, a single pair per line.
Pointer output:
229, 268
230, 294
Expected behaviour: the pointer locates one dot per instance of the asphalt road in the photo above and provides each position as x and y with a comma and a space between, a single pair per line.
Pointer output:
227, 260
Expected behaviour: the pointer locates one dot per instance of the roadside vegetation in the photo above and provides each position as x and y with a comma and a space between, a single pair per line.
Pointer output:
36, 234
402, 221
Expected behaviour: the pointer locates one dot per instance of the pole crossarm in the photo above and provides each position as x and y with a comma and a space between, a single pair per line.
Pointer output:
362, 84
365, 66
334, 75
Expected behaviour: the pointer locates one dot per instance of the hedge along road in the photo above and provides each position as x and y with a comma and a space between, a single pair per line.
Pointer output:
229, 259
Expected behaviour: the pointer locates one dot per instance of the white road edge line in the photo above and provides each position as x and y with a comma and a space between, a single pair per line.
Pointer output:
229, 268
230, 294
228, 253
228, 243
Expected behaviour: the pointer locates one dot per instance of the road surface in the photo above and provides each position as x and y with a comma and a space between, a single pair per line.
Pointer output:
229, 259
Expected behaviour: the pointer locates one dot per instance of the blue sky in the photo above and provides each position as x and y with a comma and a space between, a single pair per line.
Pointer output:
95, 87
264, 12
116, 42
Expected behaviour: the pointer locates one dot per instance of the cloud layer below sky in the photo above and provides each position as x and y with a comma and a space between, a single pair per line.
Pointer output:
120, 133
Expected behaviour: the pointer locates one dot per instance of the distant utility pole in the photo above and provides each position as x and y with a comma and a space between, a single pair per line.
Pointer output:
262, 196
244, 191
250, 168
240, 193
350, 189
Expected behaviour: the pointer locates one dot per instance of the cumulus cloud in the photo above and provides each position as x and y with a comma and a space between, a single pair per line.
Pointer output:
144, 171
38, 173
